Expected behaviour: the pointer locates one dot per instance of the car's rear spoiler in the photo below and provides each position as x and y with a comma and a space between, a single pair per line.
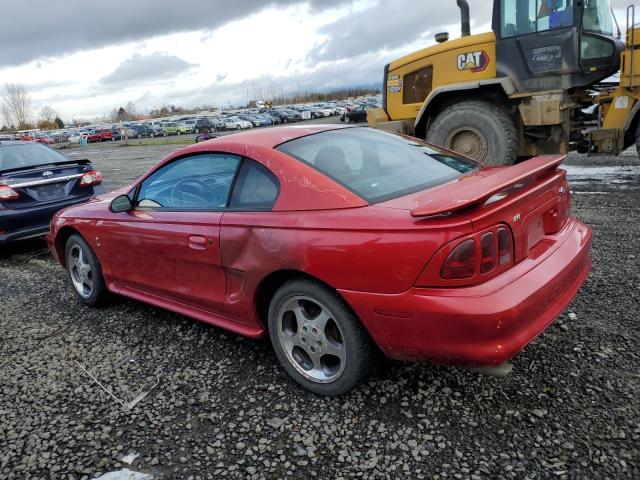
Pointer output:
475, 189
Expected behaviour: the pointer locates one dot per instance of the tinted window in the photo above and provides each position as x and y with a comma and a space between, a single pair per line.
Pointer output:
28, 155
520, 17
377, 165
198, 182
256, 188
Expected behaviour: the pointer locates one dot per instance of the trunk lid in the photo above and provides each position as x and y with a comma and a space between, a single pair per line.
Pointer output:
44, 184
532, 198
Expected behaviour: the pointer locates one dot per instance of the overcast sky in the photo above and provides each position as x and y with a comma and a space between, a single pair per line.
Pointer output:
85, 58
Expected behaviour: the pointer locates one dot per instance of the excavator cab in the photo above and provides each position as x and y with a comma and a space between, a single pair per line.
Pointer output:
555, 44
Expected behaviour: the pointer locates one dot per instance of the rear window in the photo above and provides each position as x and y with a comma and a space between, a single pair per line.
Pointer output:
28, 155
377, 165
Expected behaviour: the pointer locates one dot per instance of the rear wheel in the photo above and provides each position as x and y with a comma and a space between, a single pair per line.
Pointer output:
84, 271
476, 129
317, 339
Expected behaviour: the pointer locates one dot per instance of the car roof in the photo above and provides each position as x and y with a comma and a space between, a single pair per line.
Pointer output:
272, 137
312, 190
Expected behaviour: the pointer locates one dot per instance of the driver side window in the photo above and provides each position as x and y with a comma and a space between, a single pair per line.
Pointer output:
197, 182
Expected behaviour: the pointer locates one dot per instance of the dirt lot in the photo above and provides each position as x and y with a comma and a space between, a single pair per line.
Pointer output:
222, 407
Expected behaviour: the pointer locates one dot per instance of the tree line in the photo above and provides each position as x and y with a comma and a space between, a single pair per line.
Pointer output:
17, 112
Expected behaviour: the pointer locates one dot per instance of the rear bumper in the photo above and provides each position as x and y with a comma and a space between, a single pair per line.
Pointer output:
482, 325
31, 222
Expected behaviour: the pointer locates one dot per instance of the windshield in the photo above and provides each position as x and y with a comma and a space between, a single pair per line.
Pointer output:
597, 16
377, 165
28, 155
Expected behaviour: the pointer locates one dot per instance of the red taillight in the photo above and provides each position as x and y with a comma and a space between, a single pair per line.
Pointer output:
488, 258
461, 262
91, 178
474, 259
505, 247
7, 193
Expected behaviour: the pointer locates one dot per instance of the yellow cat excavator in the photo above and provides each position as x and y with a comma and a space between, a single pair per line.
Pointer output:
533, 85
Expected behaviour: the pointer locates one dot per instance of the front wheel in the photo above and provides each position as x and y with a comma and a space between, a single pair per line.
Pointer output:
317, 338
84, 271
476, 129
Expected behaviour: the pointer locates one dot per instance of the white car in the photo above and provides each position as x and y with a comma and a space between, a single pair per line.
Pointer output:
74, 138
235, 123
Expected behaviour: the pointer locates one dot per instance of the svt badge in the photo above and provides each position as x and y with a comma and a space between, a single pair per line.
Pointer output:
474, 61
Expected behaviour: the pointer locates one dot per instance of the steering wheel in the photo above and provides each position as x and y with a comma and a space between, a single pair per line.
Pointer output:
199, 195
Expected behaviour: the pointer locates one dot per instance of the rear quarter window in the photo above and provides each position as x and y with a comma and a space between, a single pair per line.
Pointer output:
256, 188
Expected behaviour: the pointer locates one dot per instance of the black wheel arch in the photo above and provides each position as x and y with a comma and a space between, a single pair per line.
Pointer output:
61, 241
496, 93
270, 284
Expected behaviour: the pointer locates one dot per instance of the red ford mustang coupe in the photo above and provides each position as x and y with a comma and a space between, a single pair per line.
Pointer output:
338, 243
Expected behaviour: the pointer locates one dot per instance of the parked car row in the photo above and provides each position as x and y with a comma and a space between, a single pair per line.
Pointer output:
240, 119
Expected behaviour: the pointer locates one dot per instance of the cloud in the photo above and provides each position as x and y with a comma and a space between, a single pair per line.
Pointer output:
140, 68
328, 77
77, 25
387, 25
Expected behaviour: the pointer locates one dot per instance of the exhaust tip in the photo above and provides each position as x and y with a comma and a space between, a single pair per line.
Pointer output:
499, 371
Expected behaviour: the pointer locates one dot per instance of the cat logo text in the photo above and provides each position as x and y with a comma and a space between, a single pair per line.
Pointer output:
474, 61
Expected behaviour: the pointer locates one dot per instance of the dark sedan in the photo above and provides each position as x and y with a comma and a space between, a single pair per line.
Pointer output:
37, 181
358, 114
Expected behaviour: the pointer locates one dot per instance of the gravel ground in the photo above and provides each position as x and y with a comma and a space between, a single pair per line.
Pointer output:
222, 407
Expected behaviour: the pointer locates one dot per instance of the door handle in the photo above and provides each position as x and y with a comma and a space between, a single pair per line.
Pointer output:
199, 242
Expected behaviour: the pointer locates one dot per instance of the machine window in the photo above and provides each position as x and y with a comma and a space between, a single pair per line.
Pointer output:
597, 16
417, 85
520, 17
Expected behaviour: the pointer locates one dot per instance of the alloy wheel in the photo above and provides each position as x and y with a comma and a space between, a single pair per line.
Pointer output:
311, 339
80, 270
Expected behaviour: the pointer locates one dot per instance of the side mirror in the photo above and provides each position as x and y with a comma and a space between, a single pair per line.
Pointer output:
121, 204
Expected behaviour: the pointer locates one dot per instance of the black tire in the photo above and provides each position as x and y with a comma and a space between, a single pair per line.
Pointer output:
360, 352
477, 119
99, 293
